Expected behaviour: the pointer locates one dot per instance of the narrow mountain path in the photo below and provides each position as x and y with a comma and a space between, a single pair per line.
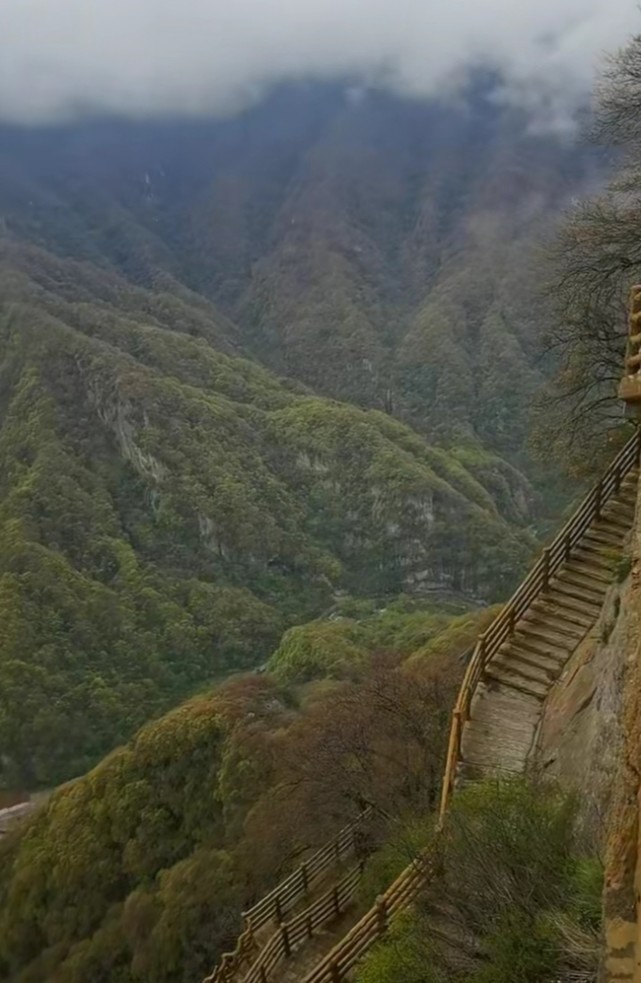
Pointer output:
508, 702
307, 957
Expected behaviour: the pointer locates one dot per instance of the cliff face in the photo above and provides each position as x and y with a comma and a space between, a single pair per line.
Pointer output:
590, 740
623, 843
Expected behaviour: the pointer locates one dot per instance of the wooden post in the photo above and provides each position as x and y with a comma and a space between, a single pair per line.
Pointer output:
263, 975
381, 914
337, 901
482, 648
278, 911
285, 937
617, 479
512, 621
335, 972
599, 500
459, 728
546, 569
568, 547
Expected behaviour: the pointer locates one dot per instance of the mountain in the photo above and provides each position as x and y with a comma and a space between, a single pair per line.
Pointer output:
139, 870
248, 366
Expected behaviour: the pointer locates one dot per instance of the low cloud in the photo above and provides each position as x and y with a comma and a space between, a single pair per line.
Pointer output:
63, 58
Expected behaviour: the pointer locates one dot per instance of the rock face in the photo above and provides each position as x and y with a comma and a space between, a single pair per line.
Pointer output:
623, 844
590, 740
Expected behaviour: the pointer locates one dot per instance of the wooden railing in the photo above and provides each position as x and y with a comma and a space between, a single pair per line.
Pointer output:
276, 905
534, 585
336, 966
341, 960
289, 936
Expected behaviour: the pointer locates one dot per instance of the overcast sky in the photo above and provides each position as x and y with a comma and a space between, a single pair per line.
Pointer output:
143, 57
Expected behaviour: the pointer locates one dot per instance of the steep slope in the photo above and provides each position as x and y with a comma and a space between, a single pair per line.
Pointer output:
169, 505
167, 509
378, 250
139, 870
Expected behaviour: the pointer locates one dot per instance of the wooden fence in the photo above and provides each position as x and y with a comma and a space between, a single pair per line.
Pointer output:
534, 585
336, 966
276, 905
279, 902
292, 934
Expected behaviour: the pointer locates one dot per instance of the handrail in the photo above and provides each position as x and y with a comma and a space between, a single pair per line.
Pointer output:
285, 896
534, 585
290, 936
279, 901
336, 966
340, 961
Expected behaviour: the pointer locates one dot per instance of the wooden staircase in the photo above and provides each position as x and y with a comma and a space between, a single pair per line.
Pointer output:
514, 667
507, 704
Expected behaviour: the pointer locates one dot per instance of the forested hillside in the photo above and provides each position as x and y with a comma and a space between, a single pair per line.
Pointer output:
139, 870
180, 308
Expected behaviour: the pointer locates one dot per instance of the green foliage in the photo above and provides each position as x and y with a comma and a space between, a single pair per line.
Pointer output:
522, 897
167, 510
404, 842
337, 647
319, 649
124, 868
404, 956
519, 949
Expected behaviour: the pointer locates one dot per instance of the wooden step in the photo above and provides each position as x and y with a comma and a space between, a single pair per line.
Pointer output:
591, 553
524, 667
565, 607
598, 556
605, 533
552, 663
539, 646
555, 621
539, 632
590, 570
570, 592
619, 518
508, 677
594, 590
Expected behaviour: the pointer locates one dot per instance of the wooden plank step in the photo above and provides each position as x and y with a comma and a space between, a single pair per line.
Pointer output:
507, 677
590, 552
551, 663
525, 668
538, 632
539, 646
606, 556
620, 519
605, 533
590, 570
594, 590
566, 608
571, 592
554, 620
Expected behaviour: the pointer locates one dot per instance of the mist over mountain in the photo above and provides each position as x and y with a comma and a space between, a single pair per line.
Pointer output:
248, 365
